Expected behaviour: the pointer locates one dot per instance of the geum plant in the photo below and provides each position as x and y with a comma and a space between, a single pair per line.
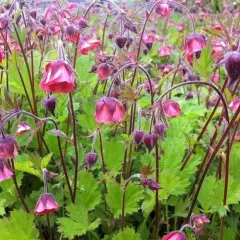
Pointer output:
118, 124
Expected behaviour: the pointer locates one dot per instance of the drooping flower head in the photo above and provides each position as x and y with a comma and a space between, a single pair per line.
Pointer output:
150, 140
8, 147
198, 222
5, 172
193, 45
58, 77
103, 71
231, 62
138, 136
165, 51
109, 110
163, 9
50, 103
46, 204
91, 159
22, 128
160, 130
87, 43
172, 108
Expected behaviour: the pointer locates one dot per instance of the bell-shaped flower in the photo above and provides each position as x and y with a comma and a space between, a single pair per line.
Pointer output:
171, 108
8, 147
46, 204
22, 128
58, 77
109, 110
5, 172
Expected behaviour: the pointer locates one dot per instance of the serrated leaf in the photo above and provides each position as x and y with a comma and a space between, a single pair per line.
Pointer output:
20, 226
88, 195
134, 194
127, 234
78, 222
45, 160
24, 164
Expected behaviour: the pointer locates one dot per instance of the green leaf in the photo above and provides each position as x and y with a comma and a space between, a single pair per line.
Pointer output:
45, 160
134, 194
78, 222
203, 65
127, 234
114, 155
20, 226
23, 163
89, 195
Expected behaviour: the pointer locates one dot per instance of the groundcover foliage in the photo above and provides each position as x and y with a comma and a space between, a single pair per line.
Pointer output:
119, 120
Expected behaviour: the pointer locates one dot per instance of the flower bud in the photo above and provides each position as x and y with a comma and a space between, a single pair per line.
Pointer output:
145, 51
93, 69
43, 21
130, 26
8, 147
83, 23
115, 93
91, 158
70, 30
160, 130
121, 41
150, 183
150, 140
50, 104
33, 14
189, 96
138, 136
110, 36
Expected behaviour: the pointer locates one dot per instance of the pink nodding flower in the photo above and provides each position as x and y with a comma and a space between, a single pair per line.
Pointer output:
194, 42
87, 43
171, 108
234, 105
103, 71
22, 128
46, 204
5, 172
58, 77
8, 147
165, 51
163, 9
109, 110
175, 236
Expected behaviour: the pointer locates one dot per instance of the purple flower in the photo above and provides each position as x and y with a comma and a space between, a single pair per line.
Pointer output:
138, 136
150, 140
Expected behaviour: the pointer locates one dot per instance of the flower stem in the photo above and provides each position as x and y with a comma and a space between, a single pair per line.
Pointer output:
211, 159
75, 146
17, 187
